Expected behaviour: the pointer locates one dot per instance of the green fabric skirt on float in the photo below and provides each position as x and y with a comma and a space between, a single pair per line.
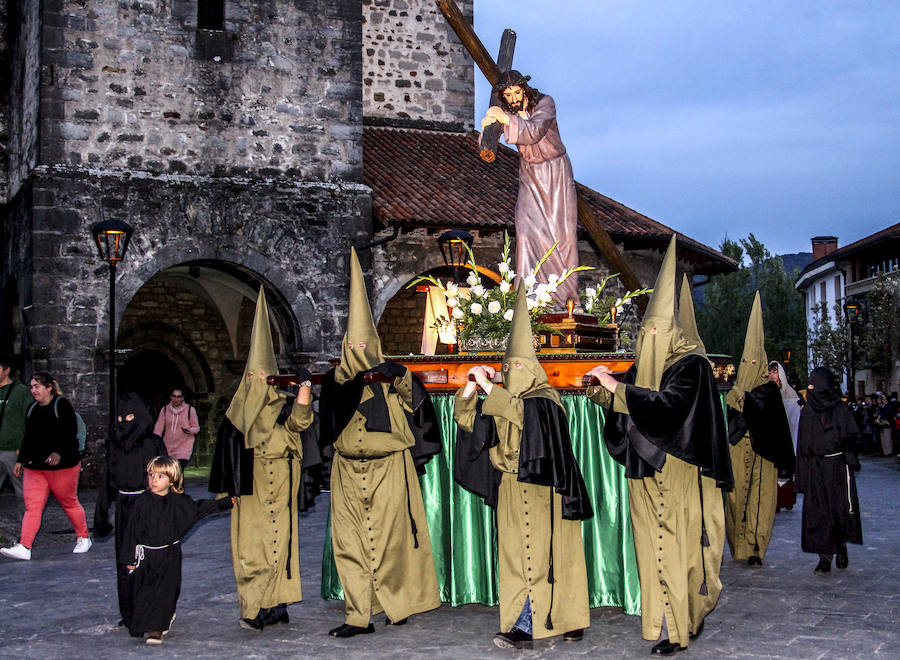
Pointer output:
464, 532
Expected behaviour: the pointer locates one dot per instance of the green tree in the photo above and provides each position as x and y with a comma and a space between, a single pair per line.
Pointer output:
828, 343
722, 318
877, 344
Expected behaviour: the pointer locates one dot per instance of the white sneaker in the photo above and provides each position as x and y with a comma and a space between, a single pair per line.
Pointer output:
82, 545
18, 551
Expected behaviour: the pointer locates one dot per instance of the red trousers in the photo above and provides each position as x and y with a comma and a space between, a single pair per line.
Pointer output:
37, 486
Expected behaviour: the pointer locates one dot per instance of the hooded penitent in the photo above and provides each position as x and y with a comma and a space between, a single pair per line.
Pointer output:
134, 422
361, 347
530, 379
252, 403
686, 318
661, 341
753, 370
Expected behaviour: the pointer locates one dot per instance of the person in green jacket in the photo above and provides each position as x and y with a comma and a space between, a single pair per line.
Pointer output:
14, 401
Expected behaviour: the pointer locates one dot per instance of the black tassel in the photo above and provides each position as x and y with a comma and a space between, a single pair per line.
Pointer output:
412, 522
415, 532
548, 624
756, 547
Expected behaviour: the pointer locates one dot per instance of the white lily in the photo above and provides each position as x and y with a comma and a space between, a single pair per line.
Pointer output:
503, 267
472, 279
532, 303
505, 287
530, 280
478, 290
452, 289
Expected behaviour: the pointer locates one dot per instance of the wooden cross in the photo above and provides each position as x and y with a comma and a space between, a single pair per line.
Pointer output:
490, 136
601, 239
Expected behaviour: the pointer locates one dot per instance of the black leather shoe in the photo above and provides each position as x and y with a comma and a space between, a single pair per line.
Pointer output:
274, 615
665, 647
514, 639
694, 635
252, 624
754, 561
842, 560
401, 622
574, 635
823, 567
346, 630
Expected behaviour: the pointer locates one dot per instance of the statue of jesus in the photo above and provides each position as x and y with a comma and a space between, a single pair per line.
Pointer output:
547, 207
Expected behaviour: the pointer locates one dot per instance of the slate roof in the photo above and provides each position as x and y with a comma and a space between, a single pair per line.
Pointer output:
884, 237
436, 180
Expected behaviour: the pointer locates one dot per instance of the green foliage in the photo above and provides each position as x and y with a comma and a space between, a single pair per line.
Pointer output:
828, 343
877, 344
723, 315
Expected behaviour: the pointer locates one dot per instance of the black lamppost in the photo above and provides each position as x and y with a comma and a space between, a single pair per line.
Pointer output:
454, 246
112, 237
785, 354
851, 308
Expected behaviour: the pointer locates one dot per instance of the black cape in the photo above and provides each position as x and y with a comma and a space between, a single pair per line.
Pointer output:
156, 582
770, 435
231, 470
545, 457
684, 419
339, 401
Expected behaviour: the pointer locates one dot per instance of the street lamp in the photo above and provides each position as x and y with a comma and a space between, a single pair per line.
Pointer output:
111, 238
785, 353
455, 246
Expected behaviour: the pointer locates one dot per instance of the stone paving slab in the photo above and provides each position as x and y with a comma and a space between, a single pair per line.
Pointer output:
61, 605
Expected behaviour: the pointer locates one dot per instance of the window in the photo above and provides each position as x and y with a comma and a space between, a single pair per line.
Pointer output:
823, 293
837, 298
211, 14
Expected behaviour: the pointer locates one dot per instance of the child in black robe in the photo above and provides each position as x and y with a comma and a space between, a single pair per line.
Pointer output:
133, 446
160, 519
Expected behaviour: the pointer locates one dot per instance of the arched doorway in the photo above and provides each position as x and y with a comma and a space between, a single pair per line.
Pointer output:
189, 327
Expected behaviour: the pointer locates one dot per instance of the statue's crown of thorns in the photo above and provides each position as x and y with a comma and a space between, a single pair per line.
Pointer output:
510, 78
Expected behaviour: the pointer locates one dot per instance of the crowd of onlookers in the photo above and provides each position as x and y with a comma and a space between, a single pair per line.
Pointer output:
878, 416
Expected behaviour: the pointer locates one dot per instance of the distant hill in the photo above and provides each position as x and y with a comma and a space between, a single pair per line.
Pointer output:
796, 261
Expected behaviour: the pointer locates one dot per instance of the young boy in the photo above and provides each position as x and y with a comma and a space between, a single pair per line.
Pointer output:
161, 518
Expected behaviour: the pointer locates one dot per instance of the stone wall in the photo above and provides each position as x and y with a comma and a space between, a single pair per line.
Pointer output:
136, 85
294, 237
19, 83
414, 67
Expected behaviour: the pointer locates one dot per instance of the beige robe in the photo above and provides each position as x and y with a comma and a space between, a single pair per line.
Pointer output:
523, 532
379, 566
667, 525
261, 523
750, 509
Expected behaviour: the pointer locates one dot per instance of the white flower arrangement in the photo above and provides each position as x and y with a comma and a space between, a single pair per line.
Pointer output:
487, 312
594, 302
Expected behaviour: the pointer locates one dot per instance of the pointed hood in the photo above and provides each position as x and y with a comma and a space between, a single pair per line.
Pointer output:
658, 327
753, 370
528, 379
360, 329
686, 318
253, 394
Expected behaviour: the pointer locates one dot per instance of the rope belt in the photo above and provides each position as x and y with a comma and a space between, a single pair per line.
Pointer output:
847, 469
140, 548
130, 492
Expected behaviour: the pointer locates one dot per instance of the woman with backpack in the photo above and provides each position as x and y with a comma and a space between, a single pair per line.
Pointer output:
51, 463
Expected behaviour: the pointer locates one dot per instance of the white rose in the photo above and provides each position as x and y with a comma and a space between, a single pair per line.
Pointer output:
478, 290
476, 308
505, 286
452, 302
494, 306
508, 314
530, 280
452, 289
472, 279
457, 313
503, 268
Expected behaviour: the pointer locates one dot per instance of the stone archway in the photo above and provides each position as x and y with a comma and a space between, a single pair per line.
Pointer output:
188, 326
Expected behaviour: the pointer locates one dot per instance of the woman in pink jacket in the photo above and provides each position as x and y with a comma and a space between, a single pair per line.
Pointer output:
177, 425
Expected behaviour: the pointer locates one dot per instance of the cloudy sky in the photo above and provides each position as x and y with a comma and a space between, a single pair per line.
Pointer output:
780, 118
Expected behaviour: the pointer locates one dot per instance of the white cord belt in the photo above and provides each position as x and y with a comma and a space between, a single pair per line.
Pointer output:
131, 492
847, 468
139, 550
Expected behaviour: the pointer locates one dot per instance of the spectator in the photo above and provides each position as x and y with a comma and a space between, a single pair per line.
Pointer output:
14, 402
50, 461
884, 421
870, 431
177, 425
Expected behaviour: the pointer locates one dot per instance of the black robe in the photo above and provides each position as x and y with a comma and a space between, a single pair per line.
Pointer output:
545, 457
770, 435
825, 476
231, 470
161, 521
684, 419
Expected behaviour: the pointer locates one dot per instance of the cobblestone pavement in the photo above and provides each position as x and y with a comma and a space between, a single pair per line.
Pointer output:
63, 605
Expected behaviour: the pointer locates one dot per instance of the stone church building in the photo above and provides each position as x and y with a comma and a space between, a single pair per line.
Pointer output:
248, 143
